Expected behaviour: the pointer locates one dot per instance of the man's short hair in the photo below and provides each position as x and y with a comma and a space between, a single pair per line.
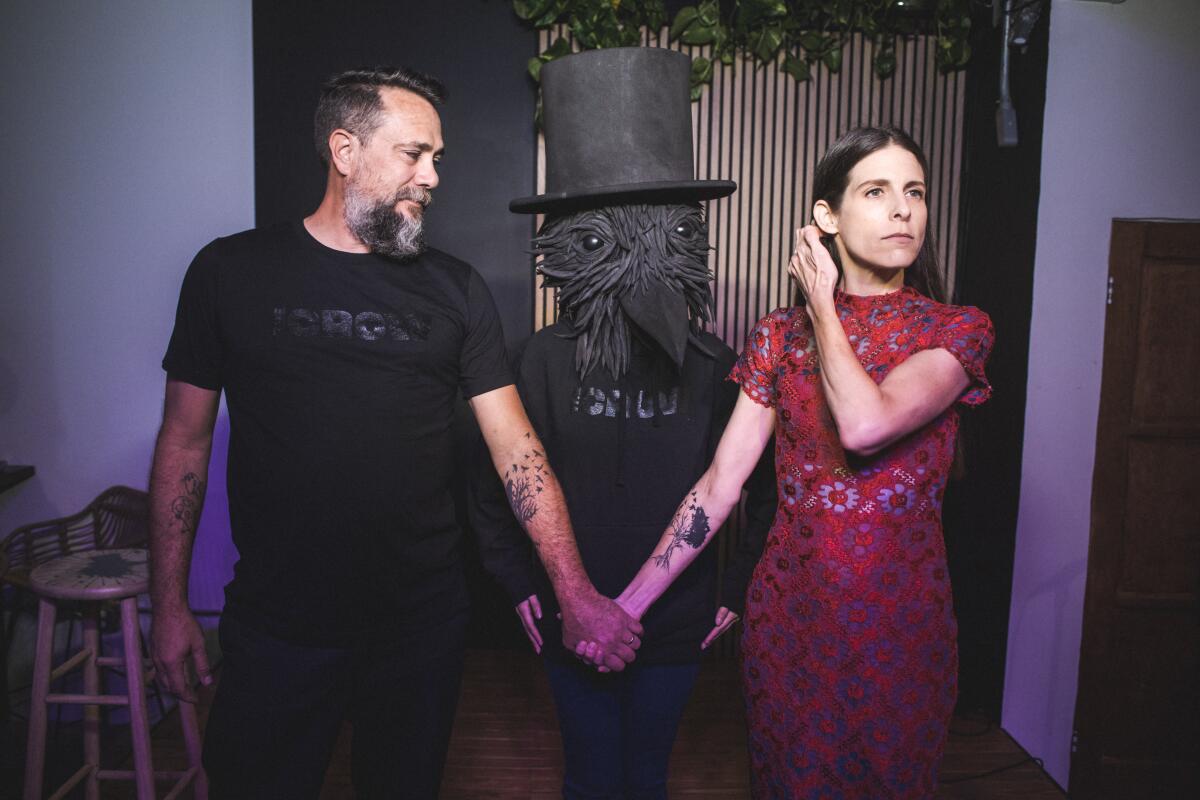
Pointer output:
350, 100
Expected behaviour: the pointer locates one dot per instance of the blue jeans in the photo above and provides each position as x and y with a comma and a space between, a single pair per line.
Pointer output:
279, 708
618, 728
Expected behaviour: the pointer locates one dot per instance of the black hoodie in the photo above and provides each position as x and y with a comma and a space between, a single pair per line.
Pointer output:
626, 452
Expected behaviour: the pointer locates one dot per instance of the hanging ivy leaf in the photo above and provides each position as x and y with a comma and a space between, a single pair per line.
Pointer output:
702, 70
560, 48
699, 35
885, 63
683, 20
709, 13
954, 55
808, 31
796, 67
833, 59
812, 41
753, 13
535, 68
721, 42
766, 43
528, 9
552, 11
651, 14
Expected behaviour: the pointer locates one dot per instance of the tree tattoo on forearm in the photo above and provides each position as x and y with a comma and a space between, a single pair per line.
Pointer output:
524, 481
186, 507
689, 526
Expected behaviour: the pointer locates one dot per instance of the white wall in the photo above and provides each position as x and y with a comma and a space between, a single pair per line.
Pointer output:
1122, 115
126, 128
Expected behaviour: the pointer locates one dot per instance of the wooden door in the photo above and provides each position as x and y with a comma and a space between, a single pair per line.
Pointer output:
1137, 714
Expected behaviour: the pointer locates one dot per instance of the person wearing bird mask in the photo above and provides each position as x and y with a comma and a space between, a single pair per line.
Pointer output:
629, 396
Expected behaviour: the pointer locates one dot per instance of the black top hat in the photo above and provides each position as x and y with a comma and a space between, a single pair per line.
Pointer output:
618, 126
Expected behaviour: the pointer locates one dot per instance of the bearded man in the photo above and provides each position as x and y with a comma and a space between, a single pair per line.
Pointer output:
340, 343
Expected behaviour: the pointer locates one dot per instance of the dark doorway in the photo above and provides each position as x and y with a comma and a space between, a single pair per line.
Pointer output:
995, 272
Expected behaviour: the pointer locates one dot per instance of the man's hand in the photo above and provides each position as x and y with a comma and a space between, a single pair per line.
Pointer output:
724, 621
530, 610
175, 638
610, 634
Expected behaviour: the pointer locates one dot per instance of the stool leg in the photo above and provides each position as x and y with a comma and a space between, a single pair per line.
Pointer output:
139, 723
3, 657
35, 750
91, 685
191, 743
58, 709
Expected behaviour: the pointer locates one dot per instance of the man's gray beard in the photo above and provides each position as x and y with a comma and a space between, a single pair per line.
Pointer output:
380, 227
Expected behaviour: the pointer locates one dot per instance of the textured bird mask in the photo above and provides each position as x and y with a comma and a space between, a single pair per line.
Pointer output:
628, 269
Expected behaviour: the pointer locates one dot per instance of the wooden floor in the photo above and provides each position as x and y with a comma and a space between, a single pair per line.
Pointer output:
505, 744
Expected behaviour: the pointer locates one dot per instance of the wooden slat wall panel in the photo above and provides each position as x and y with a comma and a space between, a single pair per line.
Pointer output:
766, 131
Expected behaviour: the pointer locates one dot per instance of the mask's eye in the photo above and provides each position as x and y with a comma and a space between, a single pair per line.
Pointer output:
685, 229
591, 242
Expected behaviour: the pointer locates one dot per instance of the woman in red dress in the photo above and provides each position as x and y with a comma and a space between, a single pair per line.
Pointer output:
849, 657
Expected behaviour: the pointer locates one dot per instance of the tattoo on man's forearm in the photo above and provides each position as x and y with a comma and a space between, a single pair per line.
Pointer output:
524, 481
689, 526
186, 507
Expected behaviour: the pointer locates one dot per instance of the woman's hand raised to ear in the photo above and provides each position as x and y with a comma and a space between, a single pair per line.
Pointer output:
813, 269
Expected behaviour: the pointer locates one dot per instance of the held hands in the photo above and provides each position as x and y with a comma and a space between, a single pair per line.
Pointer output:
813, 269
175, 638
600, 631
724, 621
529, 610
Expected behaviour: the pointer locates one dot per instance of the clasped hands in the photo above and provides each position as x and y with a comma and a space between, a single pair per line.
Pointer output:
602, 632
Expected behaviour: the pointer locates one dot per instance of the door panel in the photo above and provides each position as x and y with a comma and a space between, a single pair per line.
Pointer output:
1167, 340
1137, 713
1162, 518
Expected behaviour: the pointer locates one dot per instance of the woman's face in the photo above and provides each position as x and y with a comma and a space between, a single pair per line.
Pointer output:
881, 221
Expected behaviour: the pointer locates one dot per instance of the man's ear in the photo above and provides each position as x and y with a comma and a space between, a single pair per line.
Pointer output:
343, 150
825, 218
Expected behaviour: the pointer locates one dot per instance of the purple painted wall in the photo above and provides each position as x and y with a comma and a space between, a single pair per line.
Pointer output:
128, 132
1122, 111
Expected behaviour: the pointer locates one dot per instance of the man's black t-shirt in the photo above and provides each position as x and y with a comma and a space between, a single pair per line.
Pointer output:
340, 371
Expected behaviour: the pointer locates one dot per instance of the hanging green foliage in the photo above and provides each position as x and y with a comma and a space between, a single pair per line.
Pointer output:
807, 32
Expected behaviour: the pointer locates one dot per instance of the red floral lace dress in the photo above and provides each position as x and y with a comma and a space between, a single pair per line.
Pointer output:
849, 650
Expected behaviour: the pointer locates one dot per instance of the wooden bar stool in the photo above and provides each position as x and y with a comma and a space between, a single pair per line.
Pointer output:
94, 576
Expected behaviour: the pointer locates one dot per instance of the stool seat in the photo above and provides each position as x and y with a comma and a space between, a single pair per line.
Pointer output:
93, 575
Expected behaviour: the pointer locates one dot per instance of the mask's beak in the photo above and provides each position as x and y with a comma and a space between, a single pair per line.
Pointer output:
662, 314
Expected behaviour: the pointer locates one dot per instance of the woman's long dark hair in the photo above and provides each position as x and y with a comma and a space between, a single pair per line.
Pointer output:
831, 178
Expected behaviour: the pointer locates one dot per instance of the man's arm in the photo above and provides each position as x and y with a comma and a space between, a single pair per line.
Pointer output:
177, 483
538, 504
503, 545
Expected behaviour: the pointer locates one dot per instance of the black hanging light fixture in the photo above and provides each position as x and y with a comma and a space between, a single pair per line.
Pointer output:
1016, 21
